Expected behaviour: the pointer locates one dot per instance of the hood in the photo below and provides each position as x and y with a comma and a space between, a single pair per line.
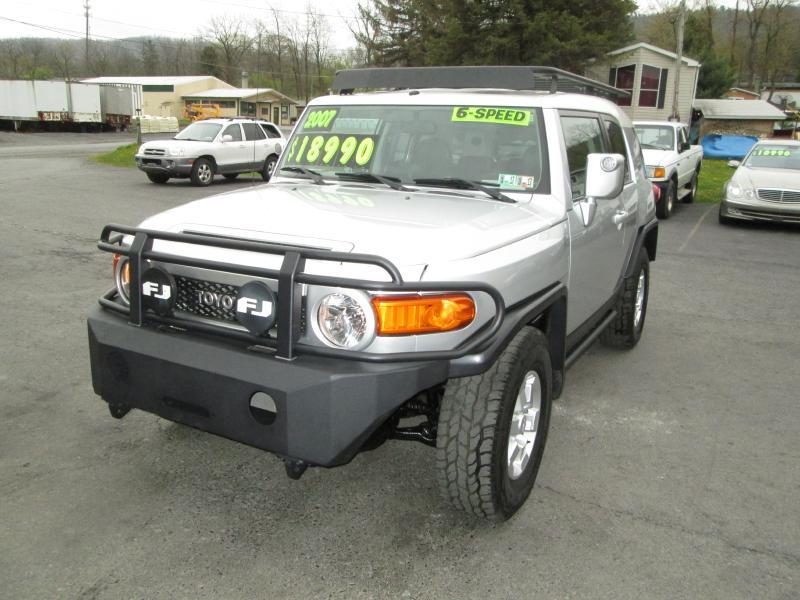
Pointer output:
657, 158
408, 228
759, 177
170, 144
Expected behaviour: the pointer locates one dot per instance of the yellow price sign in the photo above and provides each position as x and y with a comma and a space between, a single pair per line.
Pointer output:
491, 114
332, 149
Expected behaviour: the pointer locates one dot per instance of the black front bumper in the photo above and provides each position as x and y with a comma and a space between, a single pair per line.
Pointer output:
325, 408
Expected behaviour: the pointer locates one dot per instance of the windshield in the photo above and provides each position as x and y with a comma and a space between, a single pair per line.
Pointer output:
500, 147
774, 157
200, 132
655, 137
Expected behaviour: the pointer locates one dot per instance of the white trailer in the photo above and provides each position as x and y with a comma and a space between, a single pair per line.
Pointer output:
50, 101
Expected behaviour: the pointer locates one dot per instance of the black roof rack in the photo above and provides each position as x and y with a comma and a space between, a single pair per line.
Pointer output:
541, 79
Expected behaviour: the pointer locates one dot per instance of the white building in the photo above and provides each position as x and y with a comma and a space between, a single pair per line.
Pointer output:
648, 74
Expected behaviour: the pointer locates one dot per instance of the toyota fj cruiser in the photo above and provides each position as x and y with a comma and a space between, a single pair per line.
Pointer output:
425, 265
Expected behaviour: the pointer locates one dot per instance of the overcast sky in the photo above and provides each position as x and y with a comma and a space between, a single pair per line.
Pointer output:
175, 18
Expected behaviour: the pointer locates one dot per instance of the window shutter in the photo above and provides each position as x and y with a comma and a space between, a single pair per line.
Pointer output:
612, 76
662, 88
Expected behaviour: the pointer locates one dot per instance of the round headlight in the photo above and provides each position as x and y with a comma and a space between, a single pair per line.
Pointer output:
122, 277
734, 190
346, 320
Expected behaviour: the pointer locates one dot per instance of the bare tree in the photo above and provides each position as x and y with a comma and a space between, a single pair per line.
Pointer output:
231, 34
320, 36
11, 55
64, 59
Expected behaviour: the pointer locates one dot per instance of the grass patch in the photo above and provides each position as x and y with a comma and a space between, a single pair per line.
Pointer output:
713, 175
121, 157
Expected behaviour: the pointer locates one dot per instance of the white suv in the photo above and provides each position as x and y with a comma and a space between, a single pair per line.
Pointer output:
215, 146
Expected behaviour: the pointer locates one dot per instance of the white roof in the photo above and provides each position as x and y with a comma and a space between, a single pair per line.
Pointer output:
748, 110
236, 93
477, 97
157, 80
690, 62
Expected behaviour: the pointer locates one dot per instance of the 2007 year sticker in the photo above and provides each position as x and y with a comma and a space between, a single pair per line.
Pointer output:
491, 114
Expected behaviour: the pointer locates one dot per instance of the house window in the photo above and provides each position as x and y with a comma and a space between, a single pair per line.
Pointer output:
623, 78
653, 86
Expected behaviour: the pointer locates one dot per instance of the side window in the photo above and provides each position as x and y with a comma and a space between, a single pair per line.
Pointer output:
234, 131
272, 132
582, 136
636, 149
682, 138
617, 141
252, 132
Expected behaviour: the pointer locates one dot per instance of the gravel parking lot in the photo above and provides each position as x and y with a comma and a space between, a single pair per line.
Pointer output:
671, 471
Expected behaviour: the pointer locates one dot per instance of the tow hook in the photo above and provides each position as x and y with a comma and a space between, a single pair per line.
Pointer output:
118, 410
295, 468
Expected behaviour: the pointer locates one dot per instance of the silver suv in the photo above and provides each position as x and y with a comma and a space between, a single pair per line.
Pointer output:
425, 265
226, 147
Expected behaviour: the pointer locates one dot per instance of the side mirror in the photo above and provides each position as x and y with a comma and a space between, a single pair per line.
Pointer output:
605, 175
733, 164
685, 146
226, 138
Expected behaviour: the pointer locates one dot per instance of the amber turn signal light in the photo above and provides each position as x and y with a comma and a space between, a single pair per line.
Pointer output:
659, 172
408, 315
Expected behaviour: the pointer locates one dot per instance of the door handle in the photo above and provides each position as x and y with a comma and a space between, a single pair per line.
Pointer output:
242, 145
620, 217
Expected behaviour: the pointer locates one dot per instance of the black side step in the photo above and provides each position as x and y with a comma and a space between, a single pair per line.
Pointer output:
589, 339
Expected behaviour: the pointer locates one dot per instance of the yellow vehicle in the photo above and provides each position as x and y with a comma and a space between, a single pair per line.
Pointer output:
198, 112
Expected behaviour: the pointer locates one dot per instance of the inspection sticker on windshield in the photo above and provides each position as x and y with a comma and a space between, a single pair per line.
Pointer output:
491, 114
507, 180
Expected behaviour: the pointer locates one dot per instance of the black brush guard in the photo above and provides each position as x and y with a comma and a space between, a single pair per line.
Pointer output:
290, 274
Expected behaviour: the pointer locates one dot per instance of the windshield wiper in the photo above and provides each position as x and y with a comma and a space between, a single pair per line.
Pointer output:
316, 177
392, 182
466, 184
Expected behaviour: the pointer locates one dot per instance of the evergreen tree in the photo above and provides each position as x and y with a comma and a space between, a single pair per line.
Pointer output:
563, 33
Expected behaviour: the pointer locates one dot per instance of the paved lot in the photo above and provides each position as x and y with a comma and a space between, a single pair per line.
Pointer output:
671, 471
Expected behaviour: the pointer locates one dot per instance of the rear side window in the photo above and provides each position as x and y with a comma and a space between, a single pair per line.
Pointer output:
617, 141
272, 131
252, 132
234, 131
582, 137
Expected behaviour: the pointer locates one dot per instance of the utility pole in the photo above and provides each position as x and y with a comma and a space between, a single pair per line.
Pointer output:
675, 116
86, 47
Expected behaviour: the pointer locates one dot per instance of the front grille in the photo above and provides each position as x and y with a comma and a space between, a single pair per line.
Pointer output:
771, 195
155, 152
188, 299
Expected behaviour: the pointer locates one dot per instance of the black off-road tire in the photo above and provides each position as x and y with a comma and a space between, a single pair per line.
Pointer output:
230, 176
623, 331
269, 167
158, 177
666, 204
201, 169
690, 197
473, 432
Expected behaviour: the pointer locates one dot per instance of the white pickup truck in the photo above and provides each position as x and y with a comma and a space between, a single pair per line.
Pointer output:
672, 163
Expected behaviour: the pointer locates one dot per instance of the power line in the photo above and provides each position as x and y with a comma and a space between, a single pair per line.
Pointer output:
78, 35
